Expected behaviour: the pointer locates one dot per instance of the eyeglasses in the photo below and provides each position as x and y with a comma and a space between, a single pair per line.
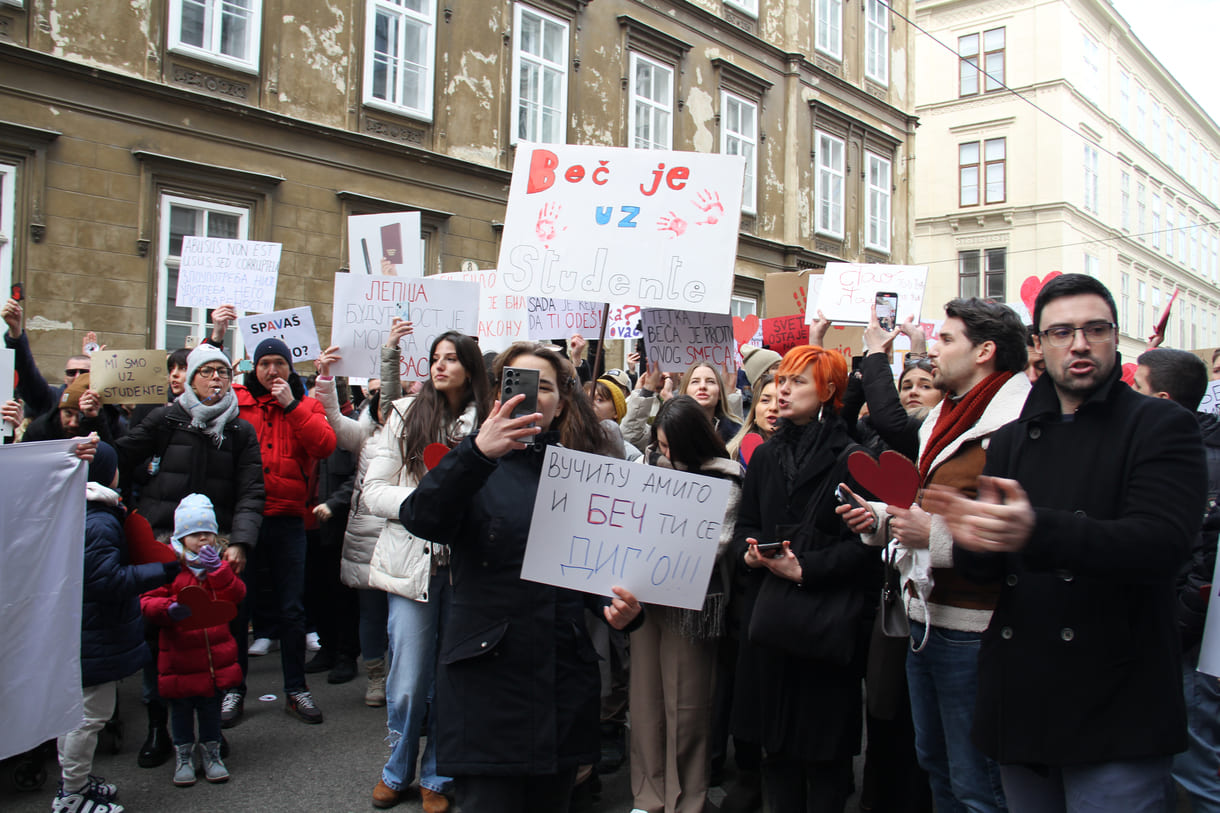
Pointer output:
224, 373
1094, 333
74, 372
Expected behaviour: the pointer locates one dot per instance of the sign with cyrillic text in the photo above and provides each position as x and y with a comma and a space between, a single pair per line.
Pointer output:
552, 318
678, 339
599, 523
129, 376
502, 316
214, 271
294, 327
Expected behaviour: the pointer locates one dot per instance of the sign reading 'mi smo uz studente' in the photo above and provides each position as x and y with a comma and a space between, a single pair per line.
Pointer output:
651, 227
600, 523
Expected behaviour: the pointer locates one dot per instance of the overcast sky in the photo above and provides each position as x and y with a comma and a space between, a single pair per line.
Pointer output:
1181, 34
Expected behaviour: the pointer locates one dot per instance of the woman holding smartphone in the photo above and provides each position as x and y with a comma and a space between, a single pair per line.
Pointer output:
701, 382
412, 570
517, 685
805, 712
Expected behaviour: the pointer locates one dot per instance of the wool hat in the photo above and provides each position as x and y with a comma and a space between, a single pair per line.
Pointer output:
619, 377
70, 399
203, 354
104, 464
194, 515
272, 346
620, 401
757, 360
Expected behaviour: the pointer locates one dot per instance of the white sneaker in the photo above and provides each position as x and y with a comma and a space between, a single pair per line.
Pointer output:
311, 642
262, 646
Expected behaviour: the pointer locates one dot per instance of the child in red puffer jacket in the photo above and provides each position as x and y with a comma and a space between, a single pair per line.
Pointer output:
197, 662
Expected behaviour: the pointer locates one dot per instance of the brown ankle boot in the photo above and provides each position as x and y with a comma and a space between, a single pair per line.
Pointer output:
434, 802
385, 796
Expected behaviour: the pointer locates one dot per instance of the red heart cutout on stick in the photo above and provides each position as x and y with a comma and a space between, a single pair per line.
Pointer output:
142, 545
205, 611
1031, 287
744, 328
1129, 373
892, 478
748, 444
433, 453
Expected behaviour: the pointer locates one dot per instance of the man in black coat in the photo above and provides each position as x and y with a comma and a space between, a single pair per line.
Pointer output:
1090, 507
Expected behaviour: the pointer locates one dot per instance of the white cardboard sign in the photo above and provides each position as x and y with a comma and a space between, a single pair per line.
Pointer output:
8, 360
365, 307
214, 271
1209, 652
657, 228
385, 244
848, 291
600, 522
502, 316
1211, 399
552, 318
295, 327
624, 322
678, 339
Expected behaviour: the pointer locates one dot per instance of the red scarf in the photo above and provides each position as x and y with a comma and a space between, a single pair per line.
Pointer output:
956, 417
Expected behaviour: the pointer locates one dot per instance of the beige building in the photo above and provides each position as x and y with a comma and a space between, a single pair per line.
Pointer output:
125, 126
1051, 139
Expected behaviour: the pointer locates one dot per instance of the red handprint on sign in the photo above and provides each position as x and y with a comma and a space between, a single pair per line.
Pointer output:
709, 203
800, 297
673, 224
548, 223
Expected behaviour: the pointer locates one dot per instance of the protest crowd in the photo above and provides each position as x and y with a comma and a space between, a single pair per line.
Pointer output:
987, 568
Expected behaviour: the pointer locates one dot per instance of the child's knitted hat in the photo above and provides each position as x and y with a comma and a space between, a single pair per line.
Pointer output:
194, 515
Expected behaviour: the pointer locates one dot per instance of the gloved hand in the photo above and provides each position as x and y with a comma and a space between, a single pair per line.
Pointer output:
209, 558
179, 612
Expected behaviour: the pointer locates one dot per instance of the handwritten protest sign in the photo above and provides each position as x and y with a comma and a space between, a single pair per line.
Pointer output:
214, 271
1211, 399
365, 307
551, 318
1209, 652
294, 327
600, 522
624, 322
678, 339
7, 371
848, 290
385, 244
502, 316
130, 376
782, 333
656, 228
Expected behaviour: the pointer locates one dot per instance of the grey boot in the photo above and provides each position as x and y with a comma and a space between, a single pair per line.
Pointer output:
184, 766
213, 769
374, 695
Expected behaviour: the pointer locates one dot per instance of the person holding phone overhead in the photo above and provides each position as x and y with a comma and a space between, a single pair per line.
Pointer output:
797, 698
517, 685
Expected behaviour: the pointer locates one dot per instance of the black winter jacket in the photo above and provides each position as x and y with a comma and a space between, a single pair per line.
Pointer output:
1081, 662
183, 460
1196, 578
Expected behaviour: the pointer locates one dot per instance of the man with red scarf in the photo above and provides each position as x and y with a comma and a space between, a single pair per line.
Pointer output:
977, 360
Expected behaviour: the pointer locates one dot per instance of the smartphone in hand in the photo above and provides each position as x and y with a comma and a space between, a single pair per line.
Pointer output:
847, 499
518, 380
887, 309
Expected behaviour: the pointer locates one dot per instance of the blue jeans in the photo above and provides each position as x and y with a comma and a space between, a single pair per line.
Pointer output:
374, 618
943, 679
281, 550
182, 719
1195, 769
1138, 786
414, 627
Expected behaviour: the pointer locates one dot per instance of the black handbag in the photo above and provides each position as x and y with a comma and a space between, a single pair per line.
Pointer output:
894, 621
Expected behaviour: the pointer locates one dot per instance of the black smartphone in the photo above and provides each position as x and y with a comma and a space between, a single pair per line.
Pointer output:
842, 496
887, 309
516, 381
857, 362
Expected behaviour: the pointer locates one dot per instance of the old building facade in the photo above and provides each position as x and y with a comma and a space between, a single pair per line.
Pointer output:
125, 126
1052, 139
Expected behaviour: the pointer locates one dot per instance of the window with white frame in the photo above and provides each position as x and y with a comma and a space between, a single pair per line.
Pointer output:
1124, 99
8, 204
650, 117
829, 33
739, 136
1169, 152
1194, 246
1155, 143
877, 42
984, 162
981, 69
1091, 55
748, 6
878, 179
1183, 239
1124, 299
1156, 220
1092, 265
1215, 257
1170, 234
1195, 173
743, 306
540, 76
1124, 185
1140, 308
1091, 182
399, 47
180, 217
1182, 150
831, 171
222, 31
1141, 112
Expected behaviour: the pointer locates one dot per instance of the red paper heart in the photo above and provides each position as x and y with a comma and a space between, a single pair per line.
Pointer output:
893, 478
142, 545
1129, 373
205, 611
433, 453
1031, 287
744, 328
748, 444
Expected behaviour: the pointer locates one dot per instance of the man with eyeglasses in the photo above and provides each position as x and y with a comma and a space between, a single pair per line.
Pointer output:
1088, 509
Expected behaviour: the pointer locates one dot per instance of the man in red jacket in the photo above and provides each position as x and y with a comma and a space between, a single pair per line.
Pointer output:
293, 436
